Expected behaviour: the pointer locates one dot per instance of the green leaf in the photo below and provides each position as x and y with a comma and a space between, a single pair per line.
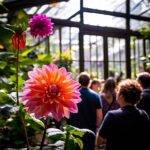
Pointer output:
21, 82
87, 131
25, 52
72, 144
30, 118
75, 131
79, 142
3, 64
6, 55
6, 32
55, 134
20, 20
6, 110
5, 98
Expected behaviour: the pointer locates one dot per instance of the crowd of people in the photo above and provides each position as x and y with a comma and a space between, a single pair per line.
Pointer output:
117, 112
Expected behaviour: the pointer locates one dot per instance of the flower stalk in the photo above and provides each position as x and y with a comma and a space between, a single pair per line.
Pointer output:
17, 76
44, 134
17, 90
66, 140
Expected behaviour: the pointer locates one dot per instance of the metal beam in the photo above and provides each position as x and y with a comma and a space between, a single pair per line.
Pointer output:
74, 15
104, 12
127, 41
116, 14
97, 30
105, 53
19, 4
81, 39
145, 11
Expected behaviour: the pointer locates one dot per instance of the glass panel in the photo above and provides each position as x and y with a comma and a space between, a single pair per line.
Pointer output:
110, 5
147, 47
100, 65
76, 18
54, 42
74, 44
137, 25
87, 48
137, 63
104, 20
58, 10
75, 68
93, 55
61, 10
94, 69
87, 66
116, 56
100, 48
140, 7
122, 49
65, 38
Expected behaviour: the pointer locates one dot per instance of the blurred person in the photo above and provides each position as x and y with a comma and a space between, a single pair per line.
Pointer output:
108, 96
89, 114
127, 128
119, 77
95, 85
144, 80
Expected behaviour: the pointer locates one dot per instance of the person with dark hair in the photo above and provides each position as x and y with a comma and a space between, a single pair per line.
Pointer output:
89, 114
95, 85
144, 80
127, 128
108, 96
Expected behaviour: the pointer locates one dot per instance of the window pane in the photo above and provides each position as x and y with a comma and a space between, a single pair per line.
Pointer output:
104, 20
111, 5
137, 25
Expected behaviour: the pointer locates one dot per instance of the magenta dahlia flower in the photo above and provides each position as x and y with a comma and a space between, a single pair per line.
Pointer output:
40, 26
51, 91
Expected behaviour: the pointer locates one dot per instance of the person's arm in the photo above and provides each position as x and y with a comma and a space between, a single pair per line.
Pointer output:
104, 130
99, 117
99, 141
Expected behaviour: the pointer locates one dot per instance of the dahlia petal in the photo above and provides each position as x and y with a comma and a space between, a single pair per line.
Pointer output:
51, 91
66, 112
40, 26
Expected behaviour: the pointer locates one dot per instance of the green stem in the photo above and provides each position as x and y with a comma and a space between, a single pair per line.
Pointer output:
17, 96
25, 131
44, 134
66, 140
17, 79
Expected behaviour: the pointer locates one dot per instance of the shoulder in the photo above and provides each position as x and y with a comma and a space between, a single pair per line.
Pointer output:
93, 93
143, 113
113, 113
146, 92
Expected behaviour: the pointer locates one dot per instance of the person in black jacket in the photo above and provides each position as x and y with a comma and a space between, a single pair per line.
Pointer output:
144, 80
127, 128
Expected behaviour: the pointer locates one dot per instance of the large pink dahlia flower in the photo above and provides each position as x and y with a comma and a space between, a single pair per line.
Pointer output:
51, 91
40, 26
